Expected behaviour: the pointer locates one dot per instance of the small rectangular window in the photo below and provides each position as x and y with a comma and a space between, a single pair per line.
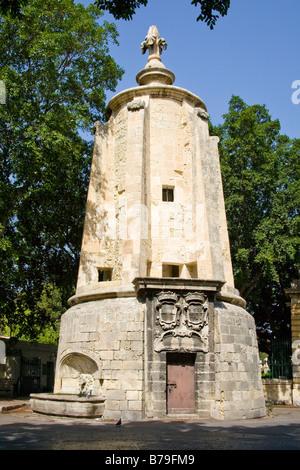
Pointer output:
170, 270
174, 271
168, 194
104, 274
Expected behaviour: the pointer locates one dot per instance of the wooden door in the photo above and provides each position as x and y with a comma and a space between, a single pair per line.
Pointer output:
180, 383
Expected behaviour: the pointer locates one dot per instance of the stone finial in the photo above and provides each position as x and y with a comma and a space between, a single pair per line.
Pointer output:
154, 72
154, 44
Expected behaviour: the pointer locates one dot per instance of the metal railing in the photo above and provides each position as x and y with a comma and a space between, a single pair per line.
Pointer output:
280, 359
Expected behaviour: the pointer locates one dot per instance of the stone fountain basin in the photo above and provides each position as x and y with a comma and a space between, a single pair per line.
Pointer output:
67, 405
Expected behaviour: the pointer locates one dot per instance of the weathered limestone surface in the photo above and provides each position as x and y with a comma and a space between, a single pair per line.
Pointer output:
155, 203
67, 405
128, 227
293, 294
131, 375
239, 392
111, 331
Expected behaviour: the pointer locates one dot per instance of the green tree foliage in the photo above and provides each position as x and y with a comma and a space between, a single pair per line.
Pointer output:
209, 8
39, 322
260, 170
125, 9
12, 7
56, 67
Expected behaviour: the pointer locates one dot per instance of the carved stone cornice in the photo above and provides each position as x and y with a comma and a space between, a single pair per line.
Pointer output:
157, 90
160, 283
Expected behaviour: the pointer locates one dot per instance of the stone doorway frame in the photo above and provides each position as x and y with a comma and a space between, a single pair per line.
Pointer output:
155, 359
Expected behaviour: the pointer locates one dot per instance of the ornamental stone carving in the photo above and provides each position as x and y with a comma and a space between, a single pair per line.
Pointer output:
153, 42
196, 310
202, 113
135, 105
182, 322
168, 310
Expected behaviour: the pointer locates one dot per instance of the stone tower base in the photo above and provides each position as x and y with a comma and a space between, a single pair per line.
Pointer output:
238, 385
135, 349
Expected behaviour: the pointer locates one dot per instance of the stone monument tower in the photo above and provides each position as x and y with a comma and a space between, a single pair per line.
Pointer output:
156, 326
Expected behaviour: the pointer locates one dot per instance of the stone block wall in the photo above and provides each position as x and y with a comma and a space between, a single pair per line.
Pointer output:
278, 391
119, 347
162, 339
239, 392
294, 294
111, 333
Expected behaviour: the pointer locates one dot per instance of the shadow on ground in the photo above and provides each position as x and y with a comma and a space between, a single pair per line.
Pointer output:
27, 430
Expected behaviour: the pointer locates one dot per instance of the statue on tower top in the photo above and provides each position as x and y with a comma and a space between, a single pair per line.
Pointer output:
153, 43
154, 72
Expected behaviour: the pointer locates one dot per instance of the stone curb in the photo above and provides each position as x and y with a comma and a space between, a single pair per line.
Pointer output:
12, 406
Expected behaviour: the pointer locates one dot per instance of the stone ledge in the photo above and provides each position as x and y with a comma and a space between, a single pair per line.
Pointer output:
232, 298
155, 75
154, 283
67, 405
155, 90
102, 293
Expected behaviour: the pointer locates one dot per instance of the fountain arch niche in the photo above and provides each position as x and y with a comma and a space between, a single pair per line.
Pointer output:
79, 391
79, 373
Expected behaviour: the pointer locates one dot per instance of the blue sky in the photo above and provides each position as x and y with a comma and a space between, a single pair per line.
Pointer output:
252, 52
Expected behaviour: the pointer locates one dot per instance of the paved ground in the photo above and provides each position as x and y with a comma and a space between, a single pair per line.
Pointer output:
21, 429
